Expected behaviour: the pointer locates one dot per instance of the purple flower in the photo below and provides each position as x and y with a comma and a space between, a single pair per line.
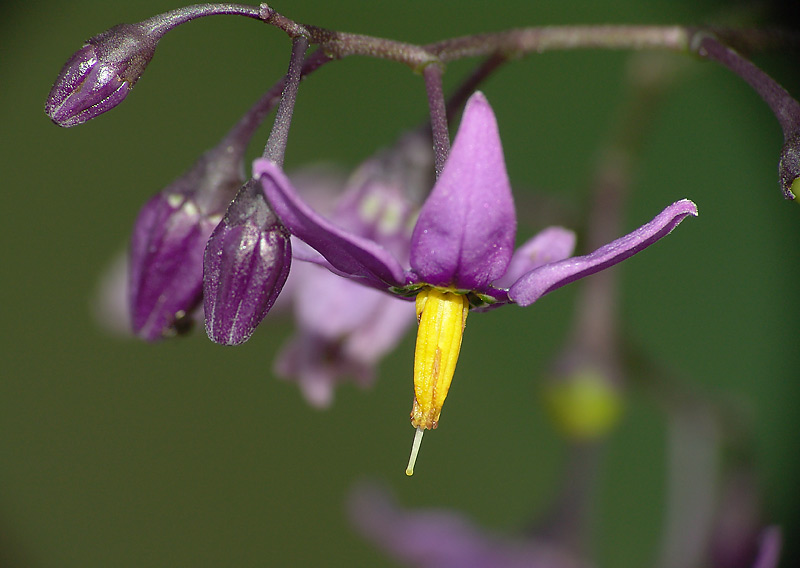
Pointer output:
461, 250
101, 74
444, 539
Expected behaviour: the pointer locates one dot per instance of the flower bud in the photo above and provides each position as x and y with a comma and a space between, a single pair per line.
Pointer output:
245, 266
789, 167
99, 75
166, 255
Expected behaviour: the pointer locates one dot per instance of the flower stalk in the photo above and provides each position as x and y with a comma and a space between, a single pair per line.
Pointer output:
441, 137
276, 144
785, 108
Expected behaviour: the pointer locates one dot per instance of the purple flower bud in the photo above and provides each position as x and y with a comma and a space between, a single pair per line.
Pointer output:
245, 267
789, 167
166, 255
99, 76
169, 237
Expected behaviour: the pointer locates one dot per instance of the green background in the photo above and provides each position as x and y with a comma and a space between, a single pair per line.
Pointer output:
117, 453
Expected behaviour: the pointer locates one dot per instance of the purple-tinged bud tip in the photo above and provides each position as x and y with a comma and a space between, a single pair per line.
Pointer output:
245, 266
99, 75
789, 167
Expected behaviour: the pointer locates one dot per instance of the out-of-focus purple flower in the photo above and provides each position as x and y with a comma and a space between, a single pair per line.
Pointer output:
769, 548
461, 248
444, 539
101, 74
168, 241
245, 266
739, 539
343, 328
437, 538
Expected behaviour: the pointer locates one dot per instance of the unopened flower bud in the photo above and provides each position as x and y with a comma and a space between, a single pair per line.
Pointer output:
789, 167
99, 76
169, 237
245, 267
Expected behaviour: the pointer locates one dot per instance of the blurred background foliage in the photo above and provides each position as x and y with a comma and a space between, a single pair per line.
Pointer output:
117, 453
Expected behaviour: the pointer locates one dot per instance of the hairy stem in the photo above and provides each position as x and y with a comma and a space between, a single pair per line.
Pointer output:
162, 23
441, 136
538, 40
276, 144
239, 136
785, 108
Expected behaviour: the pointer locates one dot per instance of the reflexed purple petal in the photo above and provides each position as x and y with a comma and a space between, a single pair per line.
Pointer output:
550, 245
465, 232
99, 75
443, 539
166, 259
360, 258
540, 281
769, 549
245, 267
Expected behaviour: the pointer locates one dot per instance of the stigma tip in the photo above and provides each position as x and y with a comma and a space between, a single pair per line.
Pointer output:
414, 451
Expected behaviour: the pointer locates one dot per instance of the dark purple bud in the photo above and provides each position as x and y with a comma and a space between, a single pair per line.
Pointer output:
245, 267
789, 167
169, 237
99, 76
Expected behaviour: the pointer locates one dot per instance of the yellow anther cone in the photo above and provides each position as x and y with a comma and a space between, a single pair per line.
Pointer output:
442, 316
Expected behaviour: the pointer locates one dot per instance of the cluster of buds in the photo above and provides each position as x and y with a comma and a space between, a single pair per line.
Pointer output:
423, 228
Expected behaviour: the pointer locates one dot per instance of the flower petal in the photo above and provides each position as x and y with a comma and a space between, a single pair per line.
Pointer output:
549, 277
547, 246
465, 233
357, 257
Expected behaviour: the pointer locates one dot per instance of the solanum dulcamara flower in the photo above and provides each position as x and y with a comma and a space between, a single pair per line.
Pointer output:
461, 252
